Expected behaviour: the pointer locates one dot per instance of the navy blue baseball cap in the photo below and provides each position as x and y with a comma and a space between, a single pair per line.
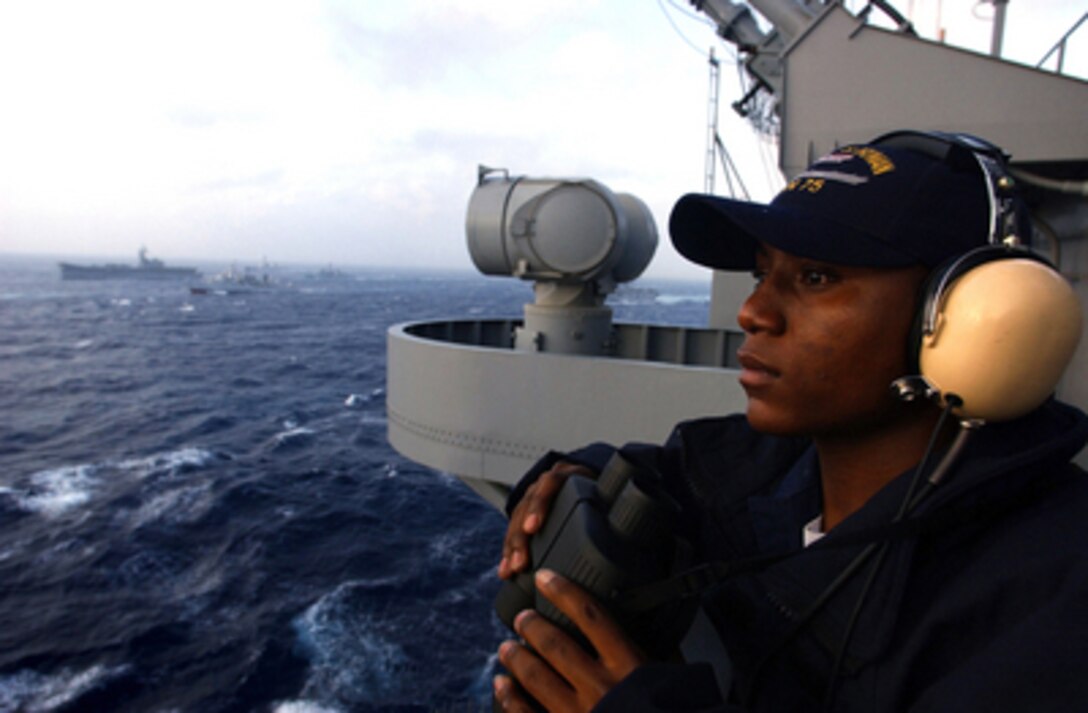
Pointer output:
881, 204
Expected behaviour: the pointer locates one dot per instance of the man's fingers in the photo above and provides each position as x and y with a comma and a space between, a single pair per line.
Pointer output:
529, 515
540, 496
567, 657
562, 671
508, 697
515, 552
535, 676
616, 652
515, 544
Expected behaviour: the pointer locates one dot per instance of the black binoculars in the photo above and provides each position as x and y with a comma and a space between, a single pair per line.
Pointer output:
608, 536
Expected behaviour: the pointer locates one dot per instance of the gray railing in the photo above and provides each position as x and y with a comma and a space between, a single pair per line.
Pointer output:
1060, 45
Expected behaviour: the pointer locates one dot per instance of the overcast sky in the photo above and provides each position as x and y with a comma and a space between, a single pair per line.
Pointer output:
349, 132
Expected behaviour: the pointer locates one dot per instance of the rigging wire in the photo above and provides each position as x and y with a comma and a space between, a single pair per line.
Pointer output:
730, 169
759, 121
765, 134
767, 156
676, 27
689, 14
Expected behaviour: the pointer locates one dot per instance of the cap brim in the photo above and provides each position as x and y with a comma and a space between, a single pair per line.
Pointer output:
726, 234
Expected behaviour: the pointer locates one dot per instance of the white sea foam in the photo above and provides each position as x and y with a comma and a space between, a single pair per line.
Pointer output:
373, 418
449, 480
352, 651
292, 435
57, 491
13, 547
83, 343
447, 547
54, 492
303, 707
680, 299
168, 463
186, 504
487, 673
34, 692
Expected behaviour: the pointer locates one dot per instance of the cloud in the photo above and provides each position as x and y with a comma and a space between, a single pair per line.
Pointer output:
341, 131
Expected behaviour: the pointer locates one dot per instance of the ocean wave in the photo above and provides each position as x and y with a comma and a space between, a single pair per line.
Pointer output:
356, 639
35, 692
152, 568
354, 400
293, 437
13, 548
681, 299
449, 480
182, 505
143, 507
58, 491
355, 654
54, 492
302, 707
448, 548
170, 463
373, 418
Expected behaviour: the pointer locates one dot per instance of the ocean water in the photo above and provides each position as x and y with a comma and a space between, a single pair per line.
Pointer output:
199, 510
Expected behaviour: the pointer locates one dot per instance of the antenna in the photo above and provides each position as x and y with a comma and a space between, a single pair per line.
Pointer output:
999, 27
715, 147
712, 123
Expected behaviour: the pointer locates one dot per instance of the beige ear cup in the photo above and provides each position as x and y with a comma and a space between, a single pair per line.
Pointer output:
1005, 333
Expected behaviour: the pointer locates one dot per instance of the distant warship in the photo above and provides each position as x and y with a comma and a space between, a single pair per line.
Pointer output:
147, 269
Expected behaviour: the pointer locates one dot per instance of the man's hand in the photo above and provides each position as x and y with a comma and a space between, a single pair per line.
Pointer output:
529, 515
553, 668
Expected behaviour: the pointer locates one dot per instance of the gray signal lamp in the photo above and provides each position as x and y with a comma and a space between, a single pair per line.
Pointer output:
569, 230
574, 238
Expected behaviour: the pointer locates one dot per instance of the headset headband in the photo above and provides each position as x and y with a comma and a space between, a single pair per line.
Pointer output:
1005, 219
991, 161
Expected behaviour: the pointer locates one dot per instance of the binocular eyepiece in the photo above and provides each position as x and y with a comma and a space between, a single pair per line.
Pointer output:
608, 536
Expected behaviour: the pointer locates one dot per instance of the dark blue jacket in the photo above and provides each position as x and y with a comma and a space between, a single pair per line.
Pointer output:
980, 603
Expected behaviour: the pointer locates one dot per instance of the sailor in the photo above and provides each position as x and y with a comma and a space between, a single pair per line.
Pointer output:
916, 548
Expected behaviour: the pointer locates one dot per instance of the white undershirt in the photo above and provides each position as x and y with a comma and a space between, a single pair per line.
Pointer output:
813, 531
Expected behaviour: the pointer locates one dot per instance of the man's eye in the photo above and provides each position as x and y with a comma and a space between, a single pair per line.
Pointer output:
816, 277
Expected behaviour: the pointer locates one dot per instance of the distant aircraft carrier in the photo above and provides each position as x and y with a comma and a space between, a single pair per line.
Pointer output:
147, 269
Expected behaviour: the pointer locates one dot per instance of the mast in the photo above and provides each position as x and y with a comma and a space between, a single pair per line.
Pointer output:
712, 122
999, 27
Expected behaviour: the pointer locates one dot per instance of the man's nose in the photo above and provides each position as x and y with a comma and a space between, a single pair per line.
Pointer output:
760, 312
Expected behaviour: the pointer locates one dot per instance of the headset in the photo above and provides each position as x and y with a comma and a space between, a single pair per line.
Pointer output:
997, 326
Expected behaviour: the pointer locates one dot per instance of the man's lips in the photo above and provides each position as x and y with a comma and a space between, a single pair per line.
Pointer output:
754, 371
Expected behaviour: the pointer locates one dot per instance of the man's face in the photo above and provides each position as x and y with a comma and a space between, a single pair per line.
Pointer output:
824, 343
